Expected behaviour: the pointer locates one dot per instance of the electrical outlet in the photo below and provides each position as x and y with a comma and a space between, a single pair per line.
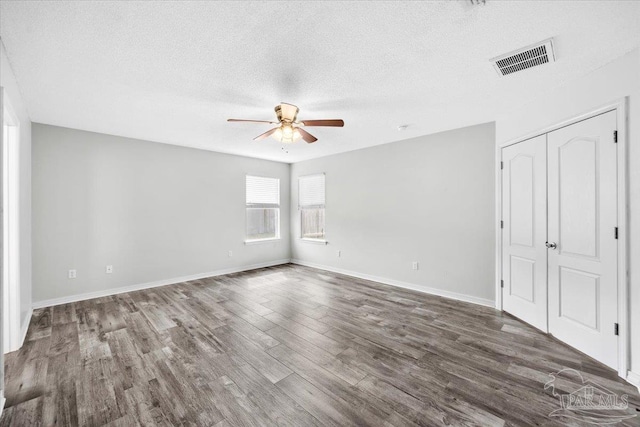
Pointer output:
72, 274
109, 269
338, 253
230, 254
415, 265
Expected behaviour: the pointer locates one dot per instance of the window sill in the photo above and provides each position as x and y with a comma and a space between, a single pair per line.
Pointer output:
258, 241
315, 241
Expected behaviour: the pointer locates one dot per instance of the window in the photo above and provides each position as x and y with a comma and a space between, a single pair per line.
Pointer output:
263, 208
311, 203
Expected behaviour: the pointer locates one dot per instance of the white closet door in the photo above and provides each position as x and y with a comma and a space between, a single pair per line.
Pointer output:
582, 211
524, 255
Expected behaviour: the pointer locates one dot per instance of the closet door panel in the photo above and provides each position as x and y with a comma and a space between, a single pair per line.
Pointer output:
582, 214
524, 258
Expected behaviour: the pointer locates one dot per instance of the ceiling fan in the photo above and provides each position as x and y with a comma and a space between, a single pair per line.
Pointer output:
289, 129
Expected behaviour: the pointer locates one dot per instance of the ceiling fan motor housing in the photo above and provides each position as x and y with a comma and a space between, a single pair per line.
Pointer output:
286, 112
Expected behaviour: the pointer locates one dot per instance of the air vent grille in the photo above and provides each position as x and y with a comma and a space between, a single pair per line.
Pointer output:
531, 56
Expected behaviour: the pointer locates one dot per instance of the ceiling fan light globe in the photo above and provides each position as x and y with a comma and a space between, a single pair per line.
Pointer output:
296, 135
287, 134
277, 135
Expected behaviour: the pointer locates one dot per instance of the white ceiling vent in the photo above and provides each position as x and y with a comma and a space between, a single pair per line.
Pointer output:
521, 59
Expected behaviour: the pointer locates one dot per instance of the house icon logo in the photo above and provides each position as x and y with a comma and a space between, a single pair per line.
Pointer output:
589, 402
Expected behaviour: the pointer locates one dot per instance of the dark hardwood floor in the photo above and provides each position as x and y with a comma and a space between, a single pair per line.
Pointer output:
290, 346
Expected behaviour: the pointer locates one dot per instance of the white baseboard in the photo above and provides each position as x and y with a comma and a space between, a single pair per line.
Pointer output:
164, 282
634, 378
399, 284
25, 326
2, 401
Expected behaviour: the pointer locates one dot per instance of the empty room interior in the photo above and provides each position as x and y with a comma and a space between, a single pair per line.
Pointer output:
320, 213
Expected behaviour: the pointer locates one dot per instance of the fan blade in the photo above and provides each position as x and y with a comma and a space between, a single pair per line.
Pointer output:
328, 122
265, 135
307, 136
252, 121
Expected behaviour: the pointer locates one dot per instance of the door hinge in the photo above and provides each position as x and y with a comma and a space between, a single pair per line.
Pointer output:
501, 165
502, 283
616, 329
615, 136
616, 233
501, 224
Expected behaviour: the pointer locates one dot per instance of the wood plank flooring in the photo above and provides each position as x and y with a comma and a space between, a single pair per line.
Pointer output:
289, 346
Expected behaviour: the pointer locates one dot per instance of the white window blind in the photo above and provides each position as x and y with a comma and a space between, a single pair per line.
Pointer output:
263, 208
311, 191
263, 192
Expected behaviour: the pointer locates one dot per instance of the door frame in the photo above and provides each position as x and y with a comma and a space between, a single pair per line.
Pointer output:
2, 399
11, 240
621, 107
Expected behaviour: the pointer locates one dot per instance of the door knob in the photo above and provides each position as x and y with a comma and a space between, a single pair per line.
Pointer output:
551, 245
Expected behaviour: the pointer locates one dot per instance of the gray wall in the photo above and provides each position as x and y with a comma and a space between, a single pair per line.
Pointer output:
428, 199
153, 211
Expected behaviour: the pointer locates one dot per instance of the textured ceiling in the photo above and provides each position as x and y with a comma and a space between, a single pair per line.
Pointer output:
173, 72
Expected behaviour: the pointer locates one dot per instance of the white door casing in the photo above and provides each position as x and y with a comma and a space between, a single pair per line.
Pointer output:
524, 215
582, 218
10, 259
2, 284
